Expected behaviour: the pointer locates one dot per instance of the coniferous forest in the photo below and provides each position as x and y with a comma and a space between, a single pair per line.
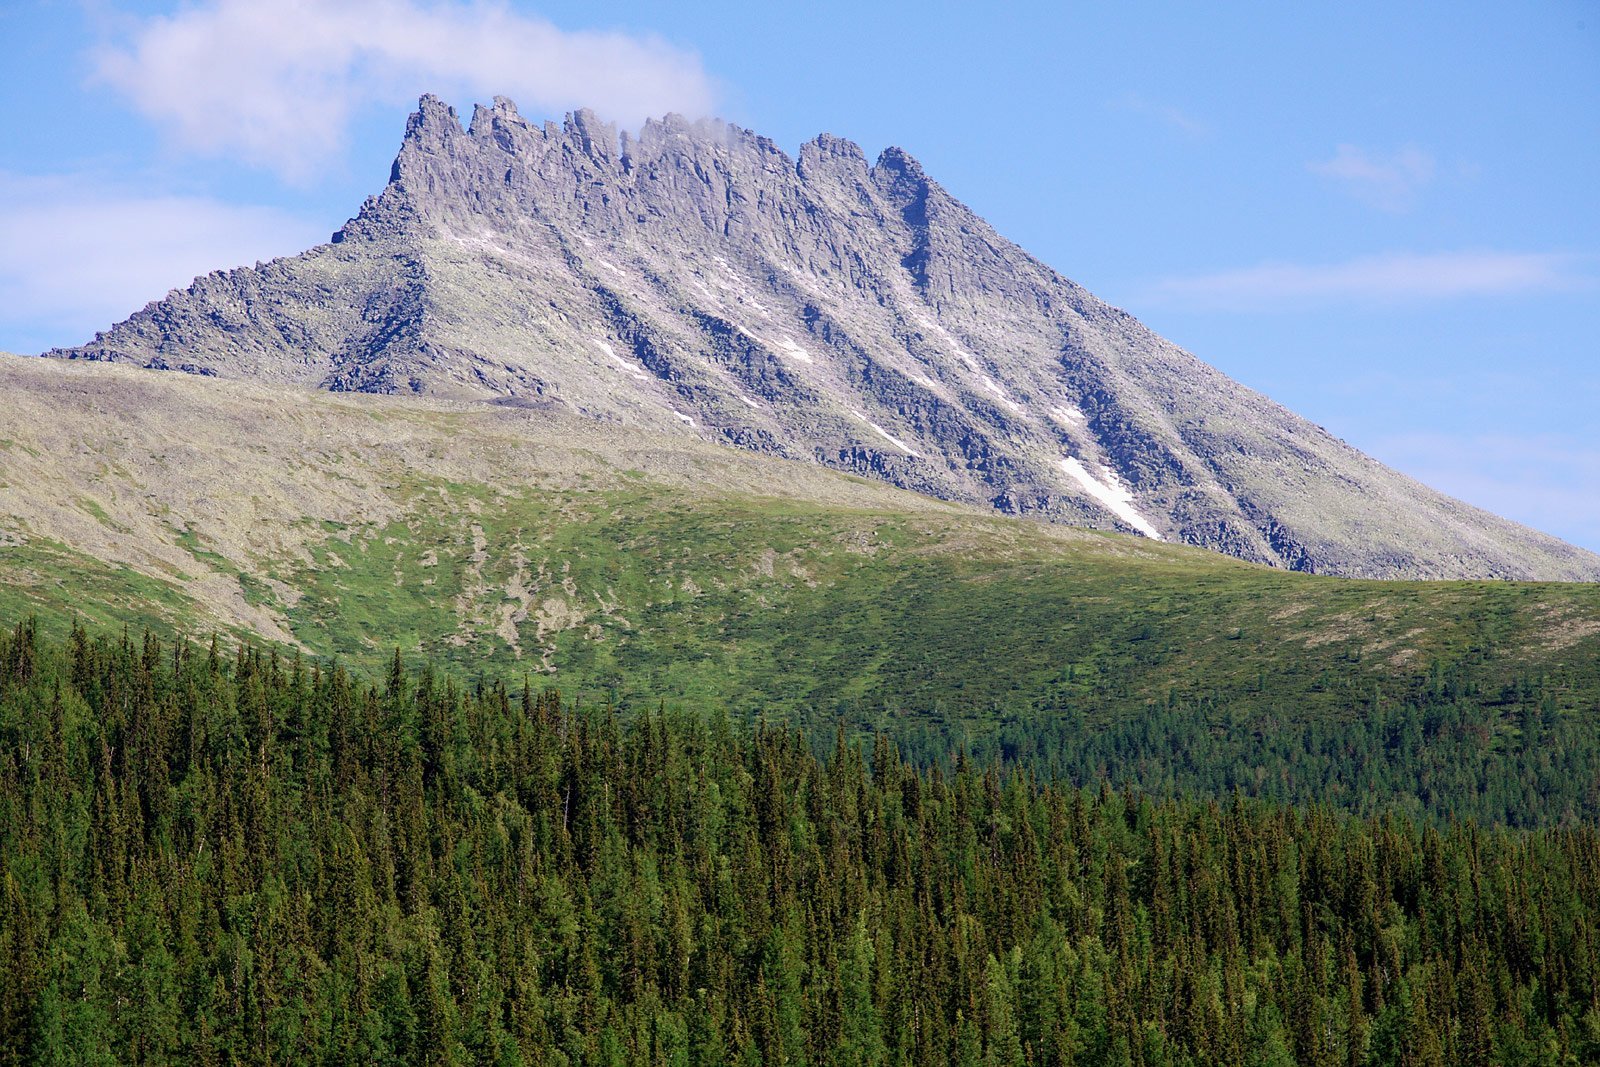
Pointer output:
218, 857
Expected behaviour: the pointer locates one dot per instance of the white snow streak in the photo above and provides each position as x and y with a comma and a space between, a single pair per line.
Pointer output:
1117, 498
990, 384
1070, 415
887, 436
624, 364
684, 417
752, 403
795, 350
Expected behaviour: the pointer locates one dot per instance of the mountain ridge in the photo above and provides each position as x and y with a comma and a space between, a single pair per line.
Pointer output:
696, 279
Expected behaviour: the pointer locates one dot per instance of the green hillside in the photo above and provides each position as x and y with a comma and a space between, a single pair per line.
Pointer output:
511, 543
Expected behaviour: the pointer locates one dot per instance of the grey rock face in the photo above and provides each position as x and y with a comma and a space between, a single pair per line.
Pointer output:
698, 279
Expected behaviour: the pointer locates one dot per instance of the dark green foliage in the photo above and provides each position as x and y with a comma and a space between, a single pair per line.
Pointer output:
1503, 757
214, 858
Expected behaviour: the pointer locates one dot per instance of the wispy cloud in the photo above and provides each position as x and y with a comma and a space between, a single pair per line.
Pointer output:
1166, 114
1548, 481
76, 256
276, 85
1396, 278
1386, 181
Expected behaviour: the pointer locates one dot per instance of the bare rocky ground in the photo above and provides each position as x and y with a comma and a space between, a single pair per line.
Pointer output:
698, 283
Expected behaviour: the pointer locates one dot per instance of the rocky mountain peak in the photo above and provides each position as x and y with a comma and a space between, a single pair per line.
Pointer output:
696, 279
490, 121
434, 122
430, 131
901, 164
597, 139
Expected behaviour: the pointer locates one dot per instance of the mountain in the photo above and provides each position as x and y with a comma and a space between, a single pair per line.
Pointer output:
697, 281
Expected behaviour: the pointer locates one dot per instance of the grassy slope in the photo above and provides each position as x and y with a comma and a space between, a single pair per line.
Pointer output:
766, 604
529, 543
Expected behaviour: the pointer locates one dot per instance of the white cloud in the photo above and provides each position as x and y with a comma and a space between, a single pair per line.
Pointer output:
1397, 278
1548, 481
1389, 182
1164, 113
76, 256
277, 84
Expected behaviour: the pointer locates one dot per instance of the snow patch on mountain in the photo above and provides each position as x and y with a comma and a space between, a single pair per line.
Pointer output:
1117, 497
795, 350
1004, 398
887, 436
627, 367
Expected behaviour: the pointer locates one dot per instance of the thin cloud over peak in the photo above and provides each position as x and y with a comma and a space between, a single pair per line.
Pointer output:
1170, 116
1394, 278
1386, 181
276, 86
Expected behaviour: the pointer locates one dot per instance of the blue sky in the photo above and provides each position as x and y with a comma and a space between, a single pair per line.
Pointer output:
1384, 215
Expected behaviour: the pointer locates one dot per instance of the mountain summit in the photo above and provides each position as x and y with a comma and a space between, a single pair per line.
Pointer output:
697, 279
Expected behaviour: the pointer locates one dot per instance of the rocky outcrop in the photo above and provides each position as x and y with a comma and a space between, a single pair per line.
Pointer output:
696, 278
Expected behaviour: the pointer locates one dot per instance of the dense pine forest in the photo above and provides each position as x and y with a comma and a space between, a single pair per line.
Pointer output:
1441, 746
238, 857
